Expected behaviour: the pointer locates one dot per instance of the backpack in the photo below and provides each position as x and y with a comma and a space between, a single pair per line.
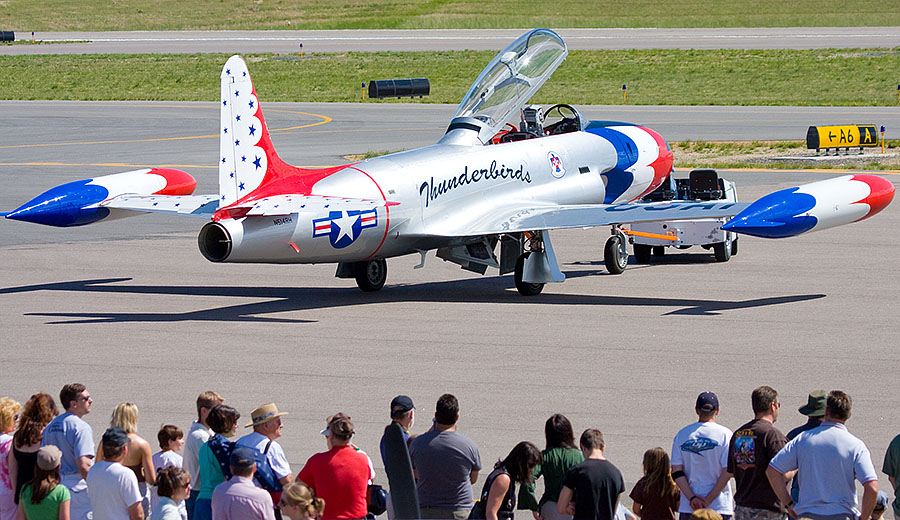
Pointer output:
264, 476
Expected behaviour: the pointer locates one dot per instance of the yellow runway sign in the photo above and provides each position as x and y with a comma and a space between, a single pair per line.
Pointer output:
841, 136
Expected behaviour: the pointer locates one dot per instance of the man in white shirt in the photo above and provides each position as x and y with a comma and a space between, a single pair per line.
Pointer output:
196, 438
831, 460
699, 458
266, 423
75, 439
113, 488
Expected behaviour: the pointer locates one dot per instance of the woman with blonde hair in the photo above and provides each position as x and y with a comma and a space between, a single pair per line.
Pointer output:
656, 495
297, 502
139, 458
39, 410
9, 415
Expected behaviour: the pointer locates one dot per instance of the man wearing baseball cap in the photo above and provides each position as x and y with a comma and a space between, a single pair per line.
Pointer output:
700, 459
341, 475
402, 411
113, 488
238, 498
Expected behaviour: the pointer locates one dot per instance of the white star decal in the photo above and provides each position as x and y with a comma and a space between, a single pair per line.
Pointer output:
345, 225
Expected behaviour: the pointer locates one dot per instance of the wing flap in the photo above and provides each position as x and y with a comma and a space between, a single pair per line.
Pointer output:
519, 219
201, 206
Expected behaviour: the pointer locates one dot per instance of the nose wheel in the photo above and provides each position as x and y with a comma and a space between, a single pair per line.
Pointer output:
615, 253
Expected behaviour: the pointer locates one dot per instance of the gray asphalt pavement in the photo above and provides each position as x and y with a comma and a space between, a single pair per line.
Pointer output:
474, 39
133, 310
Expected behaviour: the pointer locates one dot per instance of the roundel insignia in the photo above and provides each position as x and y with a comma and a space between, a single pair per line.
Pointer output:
556, 166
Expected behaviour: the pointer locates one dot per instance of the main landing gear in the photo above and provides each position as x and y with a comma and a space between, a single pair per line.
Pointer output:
532, 242
370, 274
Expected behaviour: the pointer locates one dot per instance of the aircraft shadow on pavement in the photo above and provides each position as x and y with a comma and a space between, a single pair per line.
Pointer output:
494, 289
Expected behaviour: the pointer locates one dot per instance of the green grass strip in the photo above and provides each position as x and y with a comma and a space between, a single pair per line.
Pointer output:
842, 77
149, 15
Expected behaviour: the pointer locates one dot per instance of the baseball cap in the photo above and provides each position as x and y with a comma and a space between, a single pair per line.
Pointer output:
400, 405
707, 402
48, 457
242, 457
115, 436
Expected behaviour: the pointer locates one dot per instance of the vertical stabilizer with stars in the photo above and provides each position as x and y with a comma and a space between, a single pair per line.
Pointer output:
245, 149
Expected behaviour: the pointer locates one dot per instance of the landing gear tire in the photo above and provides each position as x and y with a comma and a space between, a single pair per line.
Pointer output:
642, 253
723, 250
525, 288
615, 255
659, 250
734, 248
370, 274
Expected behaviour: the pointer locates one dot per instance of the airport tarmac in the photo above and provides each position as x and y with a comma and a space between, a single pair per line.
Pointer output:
131, 308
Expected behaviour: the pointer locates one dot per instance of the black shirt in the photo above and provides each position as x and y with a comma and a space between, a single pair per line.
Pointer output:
597, 485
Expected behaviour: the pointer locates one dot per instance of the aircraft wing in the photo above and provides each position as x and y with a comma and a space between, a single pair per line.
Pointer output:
519, 219
202, 206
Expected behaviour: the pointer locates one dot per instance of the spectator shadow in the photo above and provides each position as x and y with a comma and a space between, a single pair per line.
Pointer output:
495, 289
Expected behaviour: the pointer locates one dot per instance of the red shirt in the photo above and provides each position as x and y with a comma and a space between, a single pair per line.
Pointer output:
339, 476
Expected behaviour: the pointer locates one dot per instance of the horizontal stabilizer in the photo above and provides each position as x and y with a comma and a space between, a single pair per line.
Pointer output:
203, 206
519, 219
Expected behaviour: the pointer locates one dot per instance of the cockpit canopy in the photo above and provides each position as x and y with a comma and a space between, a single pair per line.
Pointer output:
512, 77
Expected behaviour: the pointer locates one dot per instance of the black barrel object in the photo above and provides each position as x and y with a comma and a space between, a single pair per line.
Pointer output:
398, 466
7, 36
386, 88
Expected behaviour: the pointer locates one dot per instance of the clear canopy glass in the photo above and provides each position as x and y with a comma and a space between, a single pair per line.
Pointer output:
512, 77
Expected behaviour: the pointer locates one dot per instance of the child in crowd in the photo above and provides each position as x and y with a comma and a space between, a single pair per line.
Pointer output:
171, 440
656, 495
173, 485
297, 502
44, 497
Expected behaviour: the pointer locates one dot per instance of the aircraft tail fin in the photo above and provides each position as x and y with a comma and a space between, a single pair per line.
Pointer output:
247, 158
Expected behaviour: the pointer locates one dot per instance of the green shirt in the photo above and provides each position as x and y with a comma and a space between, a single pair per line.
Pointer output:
891, 468
48, 509
554, 465
210, 472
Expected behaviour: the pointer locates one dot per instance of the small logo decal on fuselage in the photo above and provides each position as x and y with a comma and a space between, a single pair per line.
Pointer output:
343, 227
556, 166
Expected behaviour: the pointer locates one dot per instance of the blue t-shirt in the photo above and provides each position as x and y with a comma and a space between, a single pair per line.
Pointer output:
73, 437
831, 458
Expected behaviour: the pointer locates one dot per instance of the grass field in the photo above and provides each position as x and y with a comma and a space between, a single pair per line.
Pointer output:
149, 15
655, 77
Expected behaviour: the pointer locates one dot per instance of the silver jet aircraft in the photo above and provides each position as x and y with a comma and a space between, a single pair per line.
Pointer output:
504, 173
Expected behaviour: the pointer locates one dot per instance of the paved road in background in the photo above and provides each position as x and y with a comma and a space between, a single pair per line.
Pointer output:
475, 39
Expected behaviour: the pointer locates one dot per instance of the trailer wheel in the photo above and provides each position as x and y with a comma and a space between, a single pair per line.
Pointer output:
722, 251
659, 250
642, 253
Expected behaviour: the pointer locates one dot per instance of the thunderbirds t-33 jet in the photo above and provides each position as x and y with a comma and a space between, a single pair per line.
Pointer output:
486, 181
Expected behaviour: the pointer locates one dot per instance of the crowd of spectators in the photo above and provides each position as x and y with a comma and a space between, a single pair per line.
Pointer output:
50, 468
